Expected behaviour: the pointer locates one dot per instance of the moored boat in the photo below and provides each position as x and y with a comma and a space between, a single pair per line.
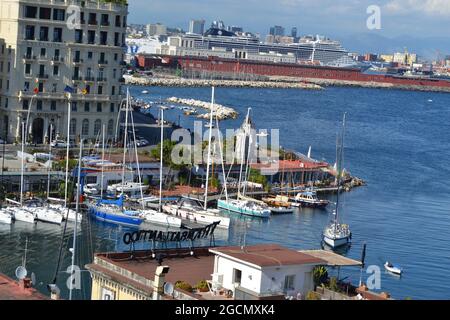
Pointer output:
393, 268
309, 199
5, 216
244, 207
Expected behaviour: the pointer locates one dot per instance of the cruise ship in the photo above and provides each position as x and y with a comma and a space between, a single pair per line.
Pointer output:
220, 43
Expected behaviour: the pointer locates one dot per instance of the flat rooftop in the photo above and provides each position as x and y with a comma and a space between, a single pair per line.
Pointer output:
267, 255
11, 290
332, 259
183, 266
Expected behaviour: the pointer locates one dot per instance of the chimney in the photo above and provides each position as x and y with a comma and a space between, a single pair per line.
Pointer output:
158, 282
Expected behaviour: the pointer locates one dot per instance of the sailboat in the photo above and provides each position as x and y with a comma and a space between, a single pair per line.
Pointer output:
191, 209
245, 205
337, 234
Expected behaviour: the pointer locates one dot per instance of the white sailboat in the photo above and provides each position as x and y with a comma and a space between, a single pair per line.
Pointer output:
337, 234
245, 205
158, 216
6, 216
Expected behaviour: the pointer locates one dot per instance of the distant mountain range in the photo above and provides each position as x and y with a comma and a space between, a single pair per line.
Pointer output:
427, 48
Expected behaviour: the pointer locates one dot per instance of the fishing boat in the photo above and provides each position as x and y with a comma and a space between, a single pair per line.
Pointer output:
393, 268
337, 234
190, 209
309, 199
5, 216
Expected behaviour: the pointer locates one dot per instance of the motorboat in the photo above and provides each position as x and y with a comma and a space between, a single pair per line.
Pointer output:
281, 210
309, 199
144, 92
23, 215
190, 209
91, 189
393, 268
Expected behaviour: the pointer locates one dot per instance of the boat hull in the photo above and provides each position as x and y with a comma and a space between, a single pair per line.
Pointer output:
24, 216
201, 217
223, 204
155, 217
5, 218
49, 215
115, 218
336, 242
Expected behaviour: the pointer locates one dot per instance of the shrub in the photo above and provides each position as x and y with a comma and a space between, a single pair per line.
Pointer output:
202, 286
312, 295
183, 285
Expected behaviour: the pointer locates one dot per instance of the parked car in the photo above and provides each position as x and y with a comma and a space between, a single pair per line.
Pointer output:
61, 144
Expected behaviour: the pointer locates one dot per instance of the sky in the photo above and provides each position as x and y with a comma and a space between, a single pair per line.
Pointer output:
423, 24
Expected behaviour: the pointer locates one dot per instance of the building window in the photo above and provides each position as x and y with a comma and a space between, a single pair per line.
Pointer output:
86, 107
105, 20
237, 276
53, 106
39, 105
74, 106
100, 91
91, 37
289, 283
55, 70
26, 87
54, 87
116, 56
97, 126
99, 107
45, 13
114, 73
43, 52
30, 12
107, 294
110, 127
118, 21
28, 69
25, 104
41, 87
57, 35
117, 39
78, 36
59, 14
113, 90
92, 19
90, 55
43, 34
57, 54
73, 127
29, 33
85, 127
103, 38
111, 107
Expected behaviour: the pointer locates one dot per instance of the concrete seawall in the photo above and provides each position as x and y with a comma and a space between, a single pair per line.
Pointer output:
180, 82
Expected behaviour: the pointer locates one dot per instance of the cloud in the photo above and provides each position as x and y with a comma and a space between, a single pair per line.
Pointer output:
429, 7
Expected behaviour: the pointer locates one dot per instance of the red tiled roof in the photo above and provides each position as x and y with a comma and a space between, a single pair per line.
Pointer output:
268, 255
291, 165
10, 290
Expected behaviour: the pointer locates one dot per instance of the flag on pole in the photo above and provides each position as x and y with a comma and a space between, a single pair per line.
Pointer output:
84, 91
36, 86
68, 89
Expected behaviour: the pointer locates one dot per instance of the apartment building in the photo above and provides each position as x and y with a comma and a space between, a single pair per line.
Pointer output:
61, 54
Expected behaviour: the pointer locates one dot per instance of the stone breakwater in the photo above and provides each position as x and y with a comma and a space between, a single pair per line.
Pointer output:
221, 111
180, 82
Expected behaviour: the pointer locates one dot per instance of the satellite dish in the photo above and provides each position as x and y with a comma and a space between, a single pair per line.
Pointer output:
33, 279
21, 272
168, 289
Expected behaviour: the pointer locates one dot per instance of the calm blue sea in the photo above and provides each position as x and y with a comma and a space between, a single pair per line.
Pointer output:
398, 141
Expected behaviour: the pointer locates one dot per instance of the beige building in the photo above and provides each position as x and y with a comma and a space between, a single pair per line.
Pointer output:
156, 29
50, 47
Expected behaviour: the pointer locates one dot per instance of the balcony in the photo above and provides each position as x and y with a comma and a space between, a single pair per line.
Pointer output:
29, 57
101, 79
91, 79
57, 60
92, 22
102, 62
77, 60
42, 76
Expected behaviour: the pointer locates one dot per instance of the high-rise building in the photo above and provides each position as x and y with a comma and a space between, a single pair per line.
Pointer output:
156, 29
277, 31
294, 32
197, 27
60, 60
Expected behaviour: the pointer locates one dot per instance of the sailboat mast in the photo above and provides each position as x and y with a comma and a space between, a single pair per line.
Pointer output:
209, 149
50, 160
103, 163
243, 153
161, 160
221, 150
69, 109
339, 168
76, 216
125, 138
137, 161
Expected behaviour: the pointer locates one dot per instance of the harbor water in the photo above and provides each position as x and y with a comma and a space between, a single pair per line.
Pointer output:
397, 141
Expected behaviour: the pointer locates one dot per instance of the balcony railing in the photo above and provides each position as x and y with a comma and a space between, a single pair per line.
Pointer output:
89, 79
29, 57
42, 76
102, 62
57, 59
92, 22
78, 60
99, 79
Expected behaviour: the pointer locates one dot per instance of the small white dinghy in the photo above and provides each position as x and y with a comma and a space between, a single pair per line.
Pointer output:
393, 268
145, 92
